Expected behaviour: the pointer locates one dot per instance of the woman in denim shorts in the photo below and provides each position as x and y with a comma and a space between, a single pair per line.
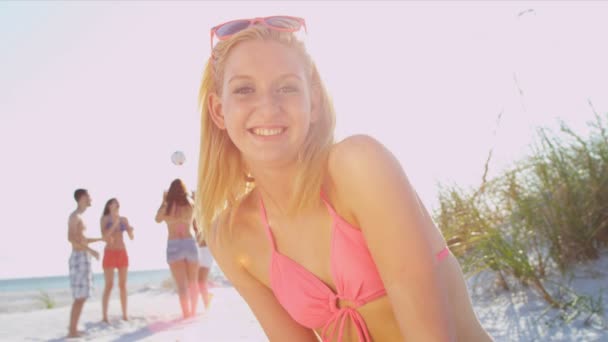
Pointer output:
182, 252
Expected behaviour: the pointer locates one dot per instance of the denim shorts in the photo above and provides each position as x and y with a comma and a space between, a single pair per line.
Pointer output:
182, 249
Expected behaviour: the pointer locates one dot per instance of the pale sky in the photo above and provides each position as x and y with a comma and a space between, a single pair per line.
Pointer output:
99, 95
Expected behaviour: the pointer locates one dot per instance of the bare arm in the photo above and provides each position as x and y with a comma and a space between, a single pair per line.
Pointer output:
275, 321
200, 237
87, 241
390, 216
160, 214
105, 233
76, 236
129, 229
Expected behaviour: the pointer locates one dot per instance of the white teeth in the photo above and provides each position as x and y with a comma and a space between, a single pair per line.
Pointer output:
267, 131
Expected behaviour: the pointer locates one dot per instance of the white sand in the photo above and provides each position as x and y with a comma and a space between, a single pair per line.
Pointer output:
155, 313
155, 316
523, 315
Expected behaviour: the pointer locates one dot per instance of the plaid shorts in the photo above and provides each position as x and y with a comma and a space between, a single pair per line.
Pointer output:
81, 275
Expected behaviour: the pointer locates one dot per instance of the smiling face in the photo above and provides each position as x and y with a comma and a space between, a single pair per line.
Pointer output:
263, 105
114, 208
111, 208
265, 102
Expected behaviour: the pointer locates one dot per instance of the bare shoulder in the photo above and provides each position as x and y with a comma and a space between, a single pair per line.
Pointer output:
236, 243
354, 150
233, 239
73, 216
353, 165
359, 160
74, 220
231, 230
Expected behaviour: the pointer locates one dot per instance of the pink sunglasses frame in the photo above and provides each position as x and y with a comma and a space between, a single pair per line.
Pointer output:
261, 20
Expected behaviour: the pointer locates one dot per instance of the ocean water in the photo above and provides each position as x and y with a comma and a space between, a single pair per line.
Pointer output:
25, 294
136, 279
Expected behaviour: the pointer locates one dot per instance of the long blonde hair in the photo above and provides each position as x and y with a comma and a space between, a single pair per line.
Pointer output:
222, 175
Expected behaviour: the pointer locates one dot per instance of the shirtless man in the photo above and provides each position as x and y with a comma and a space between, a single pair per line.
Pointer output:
81, 276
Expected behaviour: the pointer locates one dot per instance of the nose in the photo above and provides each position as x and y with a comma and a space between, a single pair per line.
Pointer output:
269, 104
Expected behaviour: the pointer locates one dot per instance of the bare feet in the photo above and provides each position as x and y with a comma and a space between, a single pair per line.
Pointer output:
125, 318
105, 320
75, 334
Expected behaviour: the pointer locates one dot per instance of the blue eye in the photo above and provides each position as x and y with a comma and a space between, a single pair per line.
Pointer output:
288, 89
243, 90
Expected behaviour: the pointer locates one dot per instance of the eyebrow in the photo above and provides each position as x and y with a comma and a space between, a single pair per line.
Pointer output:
247, 77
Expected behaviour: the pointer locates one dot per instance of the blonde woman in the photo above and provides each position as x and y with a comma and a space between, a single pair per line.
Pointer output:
205, 261
320, 238
182, 251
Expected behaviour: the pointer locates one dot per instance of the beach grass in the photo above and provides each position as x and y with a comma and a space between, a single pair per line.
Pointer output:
46, 300
545, 214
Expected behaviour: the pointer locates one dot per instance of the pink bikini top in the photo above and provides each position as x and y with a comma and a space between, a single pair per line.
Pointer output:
313, 304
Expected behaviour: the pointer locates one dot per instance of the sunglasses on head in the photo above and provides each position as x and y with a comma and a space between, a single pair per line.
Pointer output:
278, 22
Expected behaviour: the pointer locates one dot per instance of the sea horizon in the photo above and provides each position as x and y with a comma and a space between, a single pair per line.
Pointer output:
135, 276
32, 293
52, 282
30, 277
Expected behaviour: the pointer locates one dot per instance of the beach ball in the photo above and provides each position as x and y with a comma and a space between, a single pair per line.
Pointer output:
178, 158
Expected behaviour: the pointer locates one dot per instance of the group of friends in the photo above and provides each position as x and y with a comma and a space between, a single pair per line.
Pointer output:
187, 253
324, 240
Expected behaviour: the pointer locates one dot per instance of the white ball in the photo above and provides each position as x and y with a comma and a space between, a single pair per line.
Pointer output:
178, 158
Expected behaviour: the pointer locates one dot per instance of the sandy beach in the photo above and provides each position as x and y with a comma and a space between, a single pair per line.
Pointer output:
154, 316
520, 315
493, 114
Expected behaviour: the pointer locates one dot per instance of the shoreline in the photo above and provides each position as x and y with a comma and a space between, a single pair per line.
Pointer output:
155, 314
25, 294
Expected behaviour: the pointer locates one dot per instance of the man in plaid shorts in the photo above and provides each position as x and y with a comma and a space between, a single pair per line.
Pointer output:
81, 275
